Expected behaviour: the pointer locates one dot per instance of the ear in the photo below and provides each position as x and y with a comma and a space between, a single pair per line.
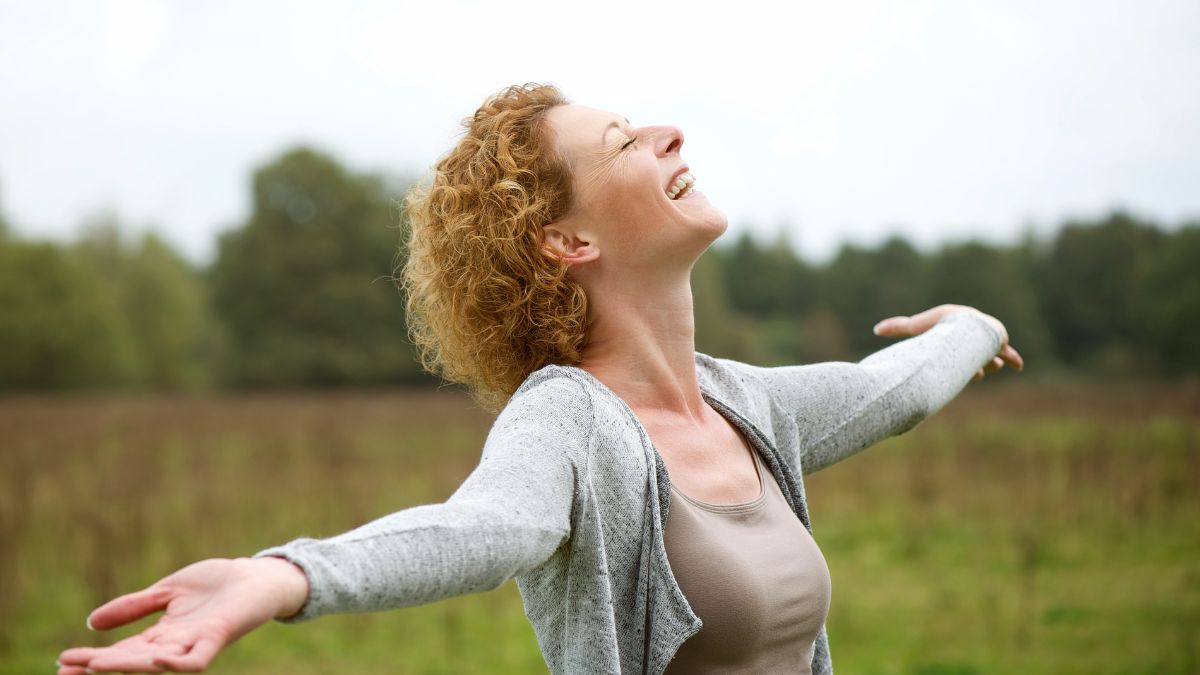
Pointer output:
570, 247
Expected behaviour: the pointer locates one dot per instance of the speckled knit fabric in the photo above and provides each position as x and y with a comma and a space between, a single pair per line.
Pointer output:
570, 497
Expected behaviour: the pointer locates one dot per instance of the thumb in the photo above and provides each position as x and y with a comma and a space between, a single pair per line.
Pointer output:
894, 326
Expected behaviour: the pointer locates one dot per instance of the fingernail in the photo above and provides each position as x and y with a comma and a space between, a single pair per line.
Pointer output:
875, 330
58, 663
89, 622
89, 671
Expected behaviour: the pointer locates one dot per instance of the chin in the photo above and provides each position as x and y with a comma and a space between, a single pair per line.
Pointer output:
723, 225
719, 223
712, 230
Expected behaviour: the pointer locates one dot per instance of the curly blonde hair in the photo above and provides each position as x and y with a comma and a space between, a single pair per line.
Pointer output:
486, 306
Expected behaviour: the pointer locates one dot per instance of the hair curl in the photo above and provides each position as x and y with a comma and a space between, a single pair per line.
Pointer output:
486, 306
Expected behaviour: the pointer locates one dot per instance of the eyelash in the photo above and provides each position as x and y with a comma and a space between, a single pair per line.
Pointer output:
631, 142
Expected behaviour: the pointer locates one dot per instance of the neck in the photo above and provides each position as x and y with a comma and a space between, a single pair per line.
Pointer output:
641, 344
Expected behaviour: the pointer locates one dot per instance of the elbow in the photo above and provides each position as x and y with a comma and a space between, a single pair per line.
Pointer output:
537, 546
904, 404
927, 399
917, 415
512, 543
510, 554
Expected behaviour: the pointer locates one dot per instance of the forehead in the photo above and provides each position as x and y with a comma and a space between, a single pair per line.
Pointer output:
580, 128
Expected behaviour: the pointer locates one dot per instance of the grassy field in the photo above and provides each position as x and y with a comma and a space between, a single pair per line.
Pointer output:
1028, 528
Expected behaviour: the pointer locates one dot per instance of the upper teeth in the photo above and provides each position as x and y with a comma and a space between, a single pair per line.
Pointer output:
681, 185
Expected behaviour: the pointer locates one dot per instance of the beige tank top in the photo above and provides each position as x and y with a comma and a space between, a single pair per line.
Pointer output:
755, 577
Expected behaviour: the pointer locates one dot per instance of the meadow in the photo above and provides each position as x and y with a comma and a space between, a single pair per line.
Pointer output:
1029, 527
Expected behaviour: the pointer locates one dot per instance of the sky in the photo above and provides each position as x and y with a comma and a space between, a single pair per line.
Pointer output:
824, 122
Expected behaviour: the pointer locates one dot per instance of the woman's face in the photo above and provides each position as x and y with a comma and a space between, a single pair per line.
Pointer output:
623, 178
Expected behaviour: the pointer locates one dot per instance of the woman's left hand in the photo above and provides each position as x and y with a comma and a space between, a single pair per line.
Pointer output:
908, 326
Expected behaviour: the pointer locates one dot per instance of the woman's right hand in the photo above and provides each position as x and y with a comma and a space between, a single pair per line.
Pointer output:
208, 605
907, 326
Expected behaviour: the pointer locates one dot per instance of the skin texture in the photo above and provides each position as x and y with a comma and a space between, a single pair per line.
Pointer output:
632, 249
207, 605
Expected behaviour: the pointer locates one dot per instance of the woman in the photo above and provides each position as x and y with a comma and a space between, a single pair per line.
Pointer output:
548, 271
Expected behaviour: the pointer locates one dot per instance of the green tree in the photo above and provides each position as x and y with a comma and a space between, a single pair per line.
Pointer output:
5, 228
304, 285
860, 286
766, 281
992, 279
1169, 307
1095, 280
718, 331
61, 326
823, 338
161, 304
170, 319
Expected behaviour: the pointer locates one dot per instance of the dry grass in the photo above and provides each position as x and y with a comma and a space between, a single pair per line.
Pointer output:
1033, 528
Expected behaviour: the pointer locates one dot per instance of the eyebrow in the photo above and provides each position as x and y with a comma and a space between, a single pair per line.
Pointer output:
610, 126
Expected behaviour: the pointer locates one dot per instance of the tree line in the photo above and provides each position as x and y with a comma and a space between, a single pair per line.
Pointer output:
301, 295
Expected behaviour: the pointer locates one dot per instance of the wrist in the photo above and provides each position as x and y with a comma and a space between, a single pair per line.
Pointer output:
289, 581
991, 321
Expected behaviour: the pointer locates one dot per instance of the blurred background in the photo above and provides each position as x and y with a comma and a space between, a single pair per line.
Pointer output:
202, 354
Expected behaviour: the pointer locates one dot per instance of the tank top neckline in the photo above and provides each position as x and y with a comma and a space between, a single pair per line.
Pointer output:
743, 507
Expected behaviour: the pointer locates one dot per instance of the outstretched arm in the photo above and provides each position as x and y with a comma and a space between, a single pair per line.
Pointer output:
841, 408
509, 515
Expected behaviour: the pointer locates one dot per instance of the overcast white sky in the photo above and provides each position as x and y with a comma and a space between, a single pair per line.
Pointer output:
845, 121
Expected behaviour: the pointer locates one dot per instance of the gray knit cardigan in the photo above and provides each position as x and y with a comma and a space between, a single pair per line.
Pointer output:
570, 497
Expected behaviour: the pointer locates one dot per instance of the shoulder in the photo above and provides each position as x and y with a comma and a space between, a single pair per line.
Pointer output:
736, 383
545, 427
551, 392
553, 381
567, 408
726, 375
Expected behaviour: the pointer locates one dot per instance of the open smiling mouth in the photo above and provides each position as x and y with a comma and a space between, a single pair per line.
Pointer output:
682, 185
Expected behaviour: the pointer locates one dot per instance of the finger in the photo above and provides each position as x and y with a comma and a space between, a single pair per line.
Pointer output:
126, 608
978, 376
133, 643
894, 326
194, 661
125, 663
1012, 358
995, 364
83, 656
72, 670
923, 321
79, 656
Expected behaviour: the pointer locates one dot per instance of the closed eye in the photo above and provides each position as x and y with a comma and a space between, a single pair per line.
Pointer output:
631, 142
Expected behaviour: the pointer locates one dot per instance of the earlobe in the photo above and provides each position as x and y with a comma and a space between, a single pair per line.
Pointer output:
562, 245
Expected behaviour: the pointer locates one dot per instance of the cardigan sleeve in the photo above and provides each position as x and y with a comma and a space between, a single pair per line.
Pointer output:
508, 516
841, 408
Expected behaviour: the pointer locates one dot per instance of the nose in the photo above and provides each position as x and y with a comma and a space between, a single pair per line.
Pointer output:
668, 140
